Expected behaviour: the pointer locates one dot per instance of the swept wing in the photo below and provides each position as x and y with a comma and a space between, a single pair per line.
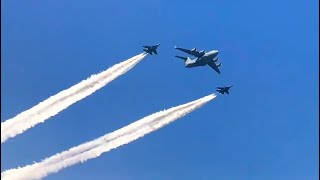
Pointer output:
215, 66
192, 52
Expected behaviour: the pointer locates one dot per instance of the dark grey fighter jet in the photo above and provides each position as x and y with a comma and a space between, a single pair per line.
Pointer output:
223, 90
203, 58
151, 49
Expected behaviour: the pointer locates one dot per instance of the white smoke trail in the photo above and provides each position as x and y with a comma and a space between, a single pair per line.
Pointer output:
54, 104
105, 143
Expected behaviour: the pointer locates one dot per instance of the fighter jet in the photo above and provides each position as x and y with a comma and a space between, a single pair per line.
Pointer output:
223, 90
151, 49
203, 58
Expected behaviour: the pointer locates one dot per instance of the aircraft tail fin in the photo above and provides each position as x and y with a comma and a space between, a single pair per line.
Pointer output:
147, 51
220, 91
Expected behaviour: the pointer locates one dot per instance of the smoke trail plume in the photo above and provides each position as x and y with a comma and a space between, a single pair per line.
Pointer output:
55, 104
105, 143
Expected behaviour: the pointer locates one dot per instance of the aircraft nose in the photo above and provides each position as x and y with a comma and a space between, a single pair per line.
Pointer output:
214, 52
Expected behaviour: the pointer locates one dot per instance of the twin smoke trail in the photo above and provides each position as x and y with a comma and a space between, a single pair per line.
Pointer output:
105, 143
53, 105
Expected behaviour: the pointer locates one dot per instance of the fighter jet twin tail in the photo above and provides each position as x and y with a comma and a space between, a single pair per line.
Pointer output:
202, 58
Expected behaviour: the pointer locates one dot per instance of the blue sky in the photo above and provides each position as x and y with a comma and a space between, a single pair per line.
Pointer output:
267, 128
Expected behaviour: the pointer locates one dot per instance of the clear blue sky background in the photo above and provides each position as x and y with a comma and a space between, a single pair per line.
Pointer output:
267, 128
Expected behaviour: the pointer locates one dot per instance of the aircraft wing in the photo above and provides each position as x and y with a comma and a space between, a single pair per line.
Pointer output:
214, 67
219, 88
146, 46
180, 57
193, 52
155, 51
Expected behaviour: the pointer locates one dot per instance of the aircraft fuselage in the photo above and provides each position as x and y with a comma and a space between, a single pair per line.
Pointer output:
204, 60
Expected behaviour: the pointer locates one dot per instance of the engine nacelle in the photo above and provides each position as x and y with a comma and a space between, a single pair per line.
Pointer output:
219, 64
